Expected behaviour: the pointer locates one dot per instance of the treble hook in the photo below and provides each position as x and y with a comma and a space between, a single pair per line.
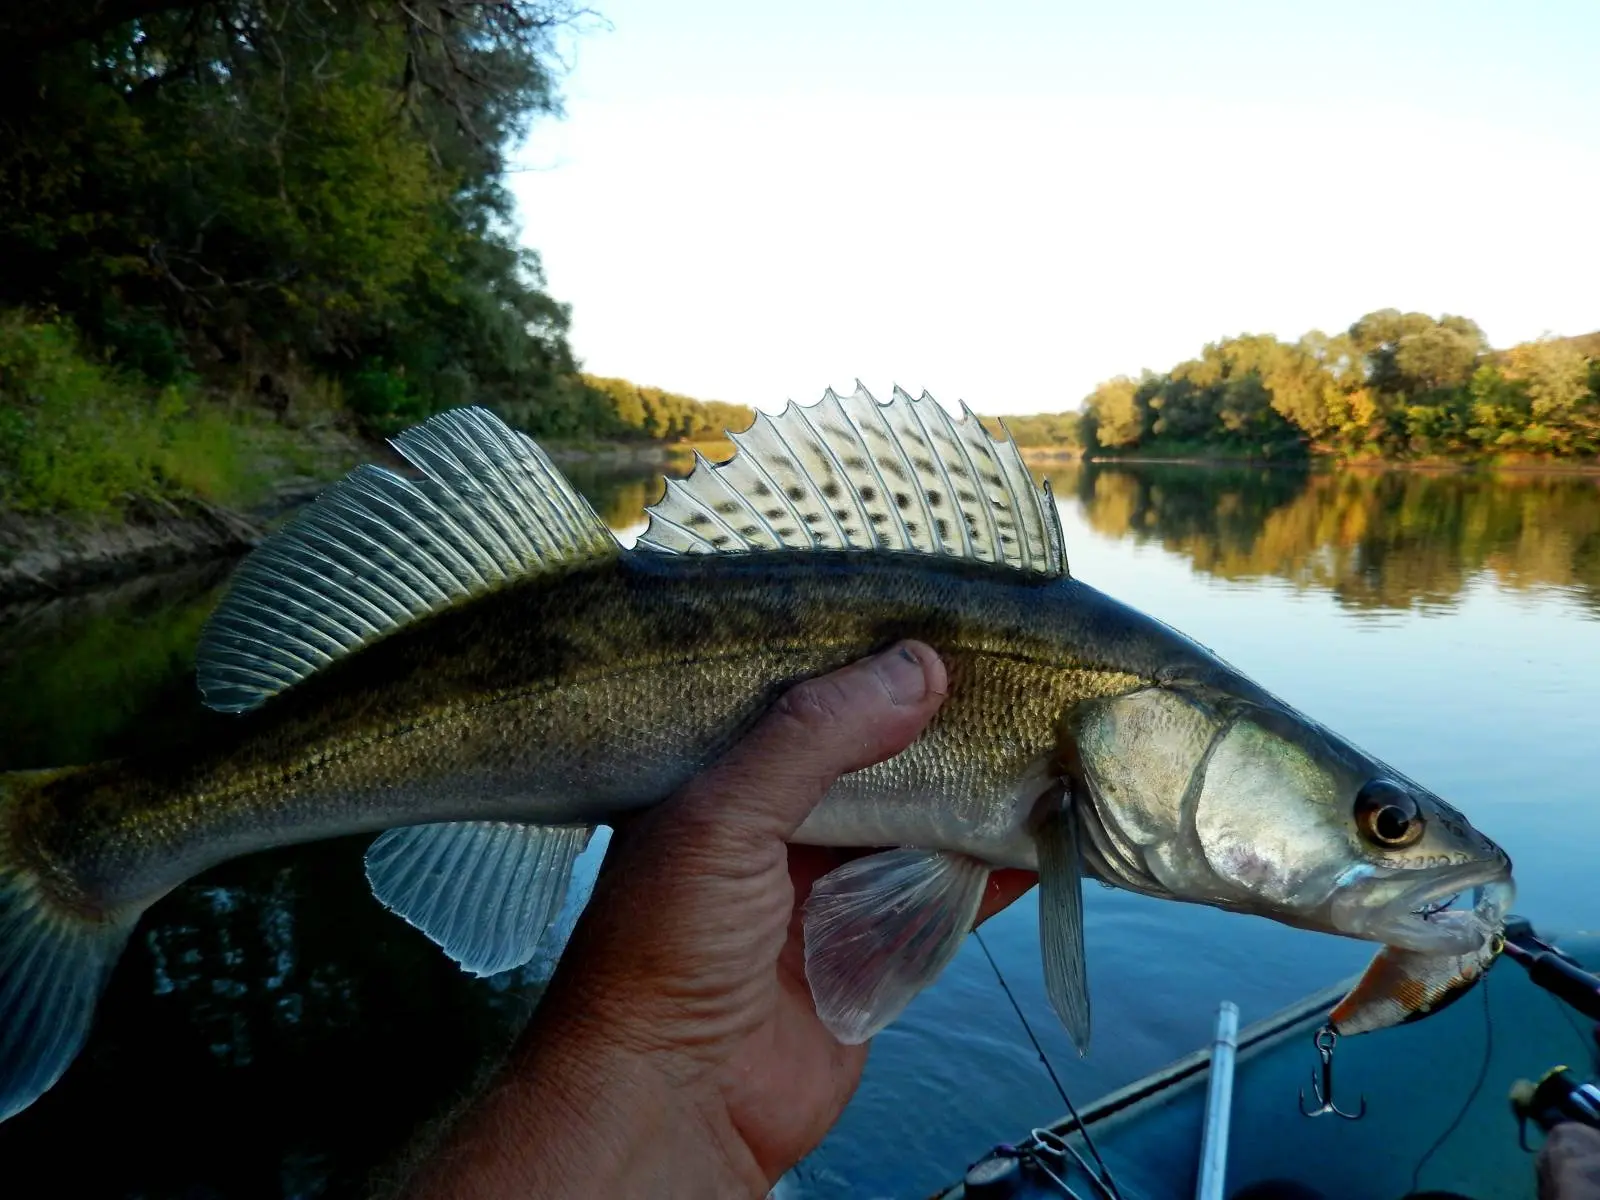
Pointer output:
1322, 1082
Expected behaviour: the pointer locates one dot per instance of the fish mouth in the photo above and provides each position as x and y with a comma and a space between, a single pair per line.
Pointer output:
1453, 910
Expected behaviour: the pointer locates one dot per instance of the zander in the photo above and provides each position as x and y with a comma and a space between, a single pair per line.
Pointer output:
464, 660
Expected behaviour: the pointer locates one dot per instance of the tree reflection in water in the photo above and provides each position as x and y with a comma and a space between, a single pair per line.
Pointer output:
1375, 539
270, 1031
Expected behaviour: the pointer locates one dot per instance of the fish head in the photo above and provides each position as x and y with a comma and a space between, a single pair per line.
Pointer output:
1229, 797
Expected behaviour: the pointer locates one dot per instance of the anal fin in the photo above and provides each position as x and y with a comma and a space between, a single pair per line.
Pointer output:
485, 891
1066, 976
879, 929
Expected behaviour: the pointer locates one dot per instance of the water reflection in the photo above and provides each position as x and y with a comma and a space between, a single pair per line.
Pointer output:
621, 497
271, 1031
97, 675
1375, 540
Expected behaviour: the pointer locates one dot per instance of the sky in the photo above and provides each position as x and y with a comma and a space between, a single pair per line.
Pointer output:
1009, 202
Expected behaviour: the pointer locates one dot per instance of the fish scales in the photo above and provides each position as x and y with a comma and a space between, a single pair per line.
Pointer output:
601, 690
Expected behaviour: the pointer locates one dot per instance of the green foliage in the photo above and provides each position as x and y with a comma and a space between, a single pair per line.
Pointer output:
80, 434
272, 190
1395, 385
1063, 430
666, 416
1121, 413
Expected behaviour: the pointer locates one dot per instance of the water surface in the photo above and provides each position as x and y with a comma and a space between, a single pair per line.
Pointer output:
273, 1032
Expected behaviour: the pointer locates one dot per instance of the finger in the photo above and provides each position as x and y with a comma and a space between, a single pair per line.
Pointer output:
821, 729
1004, 888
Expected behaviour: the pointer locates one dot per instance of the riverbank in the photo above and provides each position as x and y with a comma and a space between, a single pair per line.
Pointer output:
1328, 462
1053, 454
50, 554
45, 555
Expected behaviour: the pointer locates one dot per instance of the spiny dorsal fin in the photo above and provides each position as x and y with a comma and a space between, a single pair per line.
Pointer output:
378, 550
854, 474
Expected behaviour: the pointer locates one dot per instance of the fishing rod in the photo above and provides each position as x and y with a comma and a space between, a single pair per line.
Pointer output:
1552, 970
1558, 1095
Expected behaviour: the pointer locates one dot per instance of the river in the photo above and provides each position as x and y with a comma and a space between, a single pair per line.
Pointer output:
273, 1032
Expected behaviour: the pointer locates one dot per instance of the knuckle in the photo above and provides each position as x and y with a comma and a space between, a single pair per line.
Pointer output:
814, 705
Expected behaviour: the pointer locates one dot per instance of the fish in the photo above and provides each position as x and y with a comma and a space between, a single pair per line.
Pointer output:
460, 658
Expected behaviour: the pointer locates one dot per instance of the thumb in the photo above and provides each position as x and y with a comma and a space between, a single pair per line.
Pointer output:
767, 785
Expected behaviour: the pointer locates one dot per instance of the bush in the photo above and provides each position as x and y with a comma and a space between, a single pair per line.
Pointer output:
78, 434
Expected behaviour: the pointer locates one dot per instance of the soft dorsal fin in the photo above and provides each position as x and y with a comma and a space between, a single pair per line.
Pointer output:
378, 550
854, 474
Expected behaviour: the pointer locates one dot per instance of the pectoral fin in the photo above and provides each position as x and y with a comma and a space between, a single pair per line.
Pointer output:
1066, 977
486, 891
880, 929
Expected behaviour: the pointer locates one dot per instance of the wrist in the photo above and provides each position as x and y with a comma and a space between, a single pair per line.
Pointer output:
578, 1113
621, 1122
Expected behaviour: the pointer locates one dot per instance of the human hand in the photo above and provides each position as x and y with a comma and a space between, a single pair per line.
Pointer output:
1569, 1163
1568, 1166
677, 1051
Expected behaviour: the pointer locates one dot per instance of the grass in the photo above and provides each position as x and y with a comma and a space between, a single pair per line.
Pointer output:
78, 435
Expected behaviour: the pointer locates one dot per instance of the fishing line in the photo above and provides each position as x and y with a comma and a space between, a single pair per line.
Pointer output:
1109, 1183
1472, 1095
1062, 1184
1048, 1141
1586, 1036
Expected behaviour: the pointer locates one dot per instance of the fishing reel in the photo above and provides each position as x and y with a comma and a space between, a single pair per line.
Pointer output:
1559, 1095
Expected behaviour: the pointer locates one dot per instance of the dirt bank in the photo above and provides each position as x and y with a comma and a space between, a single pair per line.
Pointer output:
43, 555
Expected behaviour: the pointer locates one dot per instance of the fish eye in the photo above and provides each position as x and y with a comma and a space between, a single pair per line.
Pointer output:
1387, 814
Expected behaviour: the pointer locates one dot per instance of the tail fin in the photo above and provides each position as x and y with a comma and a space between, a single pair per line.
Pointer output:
54, 961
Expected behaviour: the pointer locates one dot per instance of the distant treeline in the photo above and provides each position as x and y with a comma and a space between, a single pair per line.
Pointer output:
666, 416
1040, 429
1393, 386
226, 225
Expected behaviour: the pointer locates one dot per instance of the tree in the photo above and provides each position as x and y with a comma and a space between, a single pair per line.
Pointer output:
1411, 353
1554, 375
1305, 392
265, 188
1119, 418
1185, 401
1393, 384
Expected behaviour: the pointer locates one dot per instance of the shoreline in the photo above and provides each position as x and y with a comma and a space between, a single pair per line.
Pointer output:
43, 556
46, 555
1330, 463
